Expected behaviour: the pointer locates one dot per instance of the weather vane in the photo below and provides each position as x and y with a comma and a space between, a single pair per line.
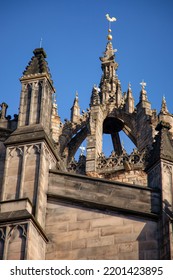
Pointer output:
110, 19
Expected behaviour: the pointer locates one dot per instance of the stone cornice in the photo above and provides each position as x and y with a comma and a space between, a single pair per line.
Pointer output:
103, 194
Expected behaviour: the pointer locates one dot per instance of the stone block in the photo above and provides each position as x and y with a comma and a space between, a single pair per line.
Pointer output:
128, 247
79, 225
99, 242
79, 244
106, 222
89, 215
114, 230
62, 227
15, 206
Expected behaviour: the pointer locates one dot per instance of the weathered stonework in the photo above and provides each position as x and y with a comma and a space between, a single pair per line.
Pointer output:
53, 206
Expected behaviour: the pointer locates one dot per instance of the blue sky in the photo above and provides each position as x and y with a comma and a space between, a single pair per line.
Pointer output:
74, 37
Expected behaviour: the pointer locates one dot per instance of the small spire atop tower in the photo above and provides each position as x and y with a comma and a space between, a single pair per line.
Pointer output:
164, 109
129, 105
110, 88
75, 110
143, 93
38, 65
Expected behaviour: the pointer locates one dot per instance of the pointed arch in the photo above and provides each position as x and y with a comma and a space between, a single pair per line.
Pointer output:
16, 242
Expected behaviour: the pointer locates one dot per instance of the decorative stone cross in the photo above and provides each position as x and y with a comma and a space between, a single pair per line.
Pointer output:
143, 84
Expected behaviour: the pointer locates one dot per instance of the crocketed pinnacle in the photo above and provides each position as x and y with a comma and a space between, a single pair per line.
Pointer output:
38, 64
164, 109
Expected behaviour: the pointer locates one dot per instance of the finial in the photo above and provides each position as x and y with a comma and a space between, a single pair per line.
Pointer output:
82, 149
129, 86
41, 41
164, 108
143, 85
76, 94
109, 37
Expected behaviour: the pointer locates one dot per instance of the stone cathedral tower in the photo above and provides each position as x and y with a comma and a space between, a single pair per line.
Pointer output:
53, 206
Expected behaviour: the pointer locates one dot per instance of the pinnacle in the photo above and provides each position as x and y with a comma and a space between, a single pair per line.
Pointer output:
164, 109
38, 64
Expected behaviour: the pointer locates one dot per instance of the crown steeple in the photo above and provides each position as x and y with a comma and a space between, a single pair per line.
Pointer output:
110, 89
109, 84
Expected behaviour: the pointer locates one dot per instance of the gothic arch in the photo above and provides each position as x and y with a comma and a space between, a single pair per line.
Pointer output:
129, 123
73, 134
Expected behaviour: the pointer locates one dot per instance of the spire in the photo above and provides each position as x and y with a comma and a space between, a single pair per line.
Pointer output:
129, 105
109, 84
164, 109
38, 64
109, 56
75, 109
143, 93
110, 88
143, 100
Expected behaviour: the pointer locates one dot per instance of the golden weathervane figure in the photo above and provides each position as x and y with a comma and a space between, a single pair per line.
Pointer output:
110, 19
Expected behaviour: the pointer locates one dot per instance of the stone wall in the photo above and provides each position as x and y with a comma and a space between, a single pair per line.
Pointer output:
21, 236
79, 233
135, 177
104, 193
20, 241
89, 218
2, 162
36, 244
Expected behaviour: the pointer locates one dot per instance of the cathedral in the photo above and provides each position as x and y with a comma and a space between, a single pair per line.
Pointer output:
54, 206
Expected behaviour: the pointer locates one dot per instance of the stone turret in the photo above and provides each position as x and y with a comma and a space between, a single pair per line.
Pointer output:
160, 176
36, 94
